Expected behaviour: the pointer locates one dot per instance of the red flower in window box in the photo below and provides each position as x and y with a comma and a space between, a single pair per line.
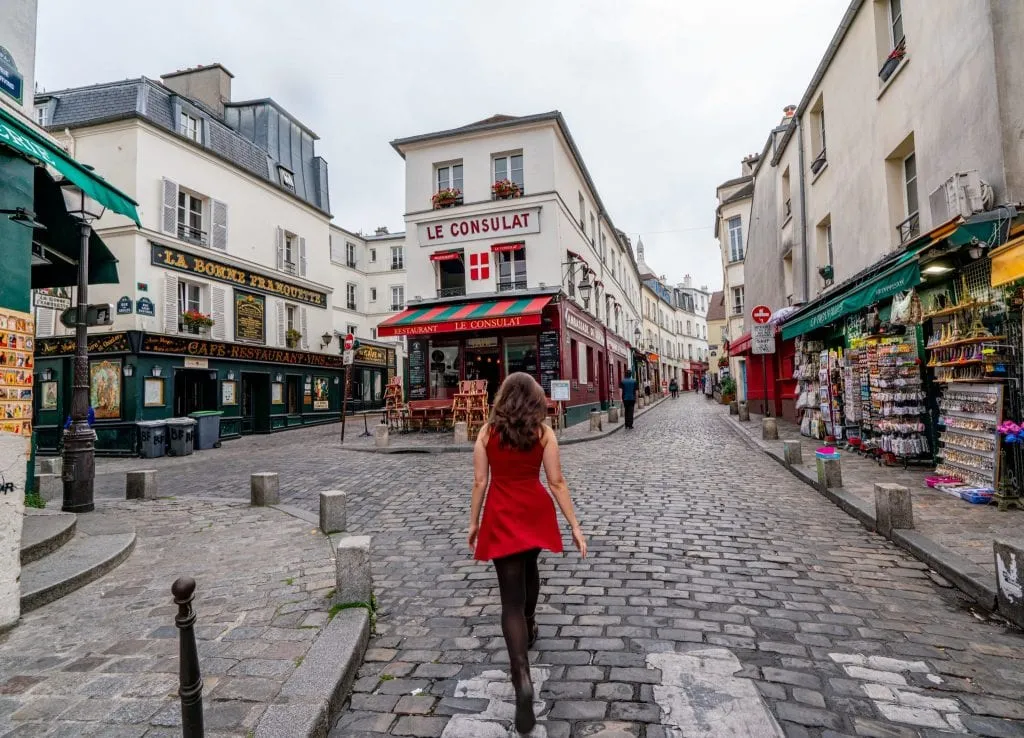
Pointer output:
447, 197
196, 319
505, 189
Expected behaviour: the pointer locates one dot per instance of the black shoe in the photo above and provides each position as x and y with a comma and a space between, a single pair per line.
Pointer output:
525, 719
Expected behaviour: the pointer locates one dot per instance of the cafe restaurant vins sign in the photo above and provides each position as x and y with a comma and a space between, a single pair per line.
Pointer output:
169, 258
505, 224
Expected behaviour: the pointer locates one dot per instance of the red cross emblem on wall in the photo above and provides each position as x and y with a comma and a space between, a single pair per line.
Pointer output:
479, 266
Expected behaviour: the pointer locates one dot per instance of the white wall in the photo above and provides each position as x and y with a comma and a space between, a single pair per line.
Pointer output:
18, 36
14, 452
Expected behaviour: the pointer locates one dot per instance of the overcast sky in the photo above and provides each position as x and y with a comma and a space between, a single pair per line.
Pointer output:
663, 97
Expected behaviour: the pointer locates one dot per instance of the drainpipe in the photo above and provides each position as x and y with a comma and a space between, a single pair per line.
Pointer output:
803, 208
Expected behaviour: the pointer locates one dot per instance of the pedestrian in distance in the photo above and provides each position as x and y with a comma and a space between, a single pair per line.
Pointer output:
519, 518
628, 387
673, 387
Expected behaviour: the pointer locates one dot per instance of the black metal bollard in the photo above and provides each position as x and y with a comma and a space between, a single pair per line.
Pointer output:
190, 682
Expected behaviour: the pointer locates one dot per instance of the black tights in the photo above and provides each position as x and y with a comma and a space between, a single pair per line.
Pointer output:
519, 585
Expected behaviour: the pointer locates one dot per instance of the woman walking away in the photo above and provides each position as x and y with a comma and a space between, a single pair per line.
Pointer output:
519, 519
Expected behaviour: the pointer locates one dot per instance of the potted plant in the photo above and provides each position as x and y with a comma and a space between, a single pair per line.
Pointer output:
505, 189
292, 338
196, 322
447, 197
723, 361
893, 61
728, 390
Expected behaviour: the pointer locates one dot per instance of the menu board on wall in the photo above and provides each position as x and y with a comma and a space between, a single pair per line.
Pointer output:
418, 370
548, 349
17, 340
250, 317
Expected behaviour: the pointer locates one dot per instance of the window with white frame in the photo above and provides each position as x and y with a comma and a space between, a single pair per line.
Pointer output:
735, 238
510, 167
190, 217
512, 269
350, 254
593, 230
397, 298
373, 294
351, 329
190, 127
910, 184
287, 178
43, 115
737, 300
290, 252
350, 296
190, 299
583, 211
292, 322
449, 177
373, 256
397, 258
896, 22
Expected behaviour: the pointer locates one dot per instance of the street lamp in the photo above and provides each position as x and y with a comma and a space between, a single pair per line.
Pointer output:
585, 287
79, 461
637, 334
325, 339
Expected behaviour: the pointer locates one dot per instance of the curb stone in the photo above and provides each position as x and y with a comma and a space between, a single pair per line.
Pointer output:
963, 573
313, 695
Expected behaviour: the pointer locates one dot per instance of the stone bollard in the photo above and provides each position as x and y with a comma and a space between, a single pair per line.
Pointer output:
50, 486
264, 489
734, 408
894, 508
769, 429
352, 575
381, 436
743, 411
332, 511
595, 420
140, 485
613, 415
830, 475
50, 465
1010, 580
792, 453
462, 432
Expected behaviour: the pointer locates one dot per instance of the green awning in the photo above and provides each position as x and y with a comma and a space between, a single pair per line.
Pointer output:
20, 137
60, 243
898, 278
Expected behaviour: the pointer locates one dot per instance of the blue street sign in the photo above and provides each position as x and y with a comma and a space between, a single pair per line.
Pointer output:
124, 306
11, 82
145, 306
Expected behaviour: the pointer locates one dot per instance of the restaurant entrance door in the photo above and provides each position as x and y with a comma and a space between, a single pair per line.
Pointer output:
255, 403
484, 362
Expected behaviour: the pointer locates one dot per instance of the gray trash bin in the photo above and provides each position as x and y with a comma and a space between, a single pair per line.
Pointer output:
152, 437
181, 432
207, 428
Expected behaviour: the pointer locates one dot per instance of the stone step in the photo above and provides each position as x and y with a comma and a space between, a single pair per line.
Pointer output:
96, 548
43, 532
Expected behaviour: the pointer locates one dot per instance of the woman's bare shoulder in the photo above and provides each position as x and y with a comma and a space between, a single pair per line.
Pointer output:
485, 433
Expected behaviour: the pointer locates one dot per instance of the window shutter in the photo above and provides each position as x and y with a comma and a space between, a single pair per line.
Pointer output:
217, 313
302, 323
170, 209
302, 257
219, 236
280, 249
46, 319
170, 303
281, 323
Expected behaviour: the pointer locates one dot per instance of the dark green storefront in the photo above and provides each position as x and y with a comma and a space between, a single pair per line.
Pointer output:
138, 376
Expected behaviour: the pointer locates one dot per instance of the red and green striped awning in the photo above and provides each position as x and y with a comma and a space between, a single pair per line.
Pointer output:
471, 316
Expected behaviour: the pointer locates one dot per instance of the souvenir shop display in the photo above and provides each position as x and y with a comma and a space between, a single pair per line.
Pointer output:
830, 383
808, 402
851, 364
970, 415
16, 372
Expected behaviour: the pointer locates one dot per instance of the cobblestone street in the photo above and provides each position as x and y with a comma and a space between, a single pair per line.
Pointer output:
703, 550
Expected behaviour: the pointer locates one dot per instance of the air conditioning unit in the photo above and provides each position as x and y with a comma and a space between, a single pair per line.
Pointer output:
963, 194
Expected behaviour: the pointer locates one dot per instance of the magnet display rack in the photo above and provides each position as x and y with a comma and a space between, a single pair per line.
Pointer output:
969, 415
897, 402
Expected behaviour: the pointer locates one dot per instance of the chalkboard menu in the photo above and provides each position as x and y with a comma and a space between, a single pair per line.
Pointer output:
250, 321
418, 387
549, 347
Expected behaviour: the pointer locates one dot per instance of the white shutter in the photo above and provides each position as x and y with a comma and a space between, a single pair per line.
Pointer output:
302, 323
281, 324
170, 303
170, 209
280, 249
302, 257
217, 313
46, 319
219, 236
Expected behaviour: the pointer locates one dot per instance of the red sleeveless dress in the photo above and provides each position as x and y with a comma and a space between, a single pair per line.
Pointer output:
519, 514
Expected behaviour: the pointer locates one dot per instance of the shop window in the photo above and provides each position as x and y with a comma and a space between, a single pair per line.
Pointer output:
512, 269
521, 355
445, 367
293, 395
590, 364
574, 357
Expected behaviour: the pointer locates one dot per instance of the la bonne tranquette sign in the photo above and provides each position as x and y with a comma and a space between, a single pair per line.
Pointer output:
476, 227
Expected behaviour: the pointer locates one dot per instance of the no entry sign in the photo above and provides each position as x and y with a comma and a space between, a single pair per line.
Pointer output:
761, 314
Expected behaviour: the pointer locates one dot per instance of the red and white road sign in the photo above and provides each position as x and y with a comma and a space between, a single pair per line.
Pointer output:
349, 341
761, 314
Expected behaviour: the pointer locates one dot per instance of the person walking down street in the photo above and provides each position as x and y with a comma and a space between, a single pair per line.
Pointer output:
628, 387
519, 518
673, 387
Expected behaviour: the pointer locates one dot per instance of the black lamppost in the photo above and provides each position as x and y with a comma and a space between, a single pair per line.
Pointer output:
79, 462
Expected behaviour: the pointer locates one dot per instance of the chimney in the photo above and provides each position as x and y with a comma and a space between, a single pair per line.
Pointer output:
209, 85
381, 231
787, 114
687, 281
748, 164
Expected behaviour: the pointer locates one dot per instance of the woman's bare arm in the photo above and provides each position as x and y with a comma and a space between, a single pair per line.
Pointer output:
480, 470
559, 487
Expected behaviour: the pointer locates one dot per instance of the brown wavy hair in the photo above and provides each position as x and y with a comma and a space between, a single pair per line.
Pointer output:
519, 411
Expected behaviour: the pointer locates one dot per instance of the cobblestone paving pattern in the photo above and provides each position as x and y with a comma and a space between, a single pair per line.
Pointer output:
697, 542
103, 661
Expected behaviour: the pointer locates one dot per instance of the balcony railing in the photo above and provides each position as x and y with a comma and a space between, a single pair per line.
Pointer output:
397, 264
395, 307
506, 285
451, 291
289, 266
192, 235
737, 310
819, 162
910, 228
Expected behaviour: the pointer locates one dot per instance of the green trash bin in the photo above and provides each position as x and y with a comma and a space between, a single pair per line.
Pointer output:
180, 432
207, 429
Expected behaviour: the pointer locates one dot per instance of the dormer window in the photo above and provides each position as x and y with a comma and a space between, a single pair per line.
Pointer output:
287, 178
190, 128
42, 115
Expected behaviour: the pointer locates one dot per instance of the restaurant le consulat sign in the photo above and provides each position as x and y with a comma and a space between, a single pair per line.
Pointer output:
505, 224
